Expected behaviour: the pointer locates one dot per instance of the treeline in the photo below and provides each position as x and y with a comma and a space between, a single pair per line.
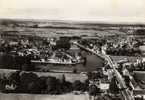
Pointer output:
29, 82
9, 61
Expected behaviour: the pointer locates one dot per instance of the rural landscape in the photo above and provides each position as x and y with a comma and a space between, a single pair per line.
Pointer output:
71, 60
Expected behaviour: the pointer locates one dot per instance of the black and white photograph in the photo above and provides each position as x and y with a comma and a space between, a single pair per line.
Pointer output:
72, 49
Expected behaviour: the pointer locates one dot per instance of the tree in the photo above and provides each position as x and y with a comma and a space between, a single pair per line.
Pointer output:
78, 86
113, 86
29, 83
53, 85
63, 44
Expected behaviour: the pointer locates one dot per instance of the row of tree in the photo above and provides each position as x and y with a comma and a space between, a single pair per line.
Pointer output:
25, 82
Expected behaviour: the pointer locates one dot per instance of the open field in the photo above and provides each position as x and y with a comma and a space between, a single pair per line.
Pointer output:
68, 76
45, 28
69, 96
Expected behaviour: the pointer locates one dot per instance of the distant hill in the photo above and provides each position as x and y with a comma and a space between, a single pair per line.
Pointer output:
63, 24
45, 28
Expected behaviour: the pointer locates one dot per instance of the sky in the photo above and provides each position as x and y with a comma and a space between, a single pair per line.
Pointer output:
118, 11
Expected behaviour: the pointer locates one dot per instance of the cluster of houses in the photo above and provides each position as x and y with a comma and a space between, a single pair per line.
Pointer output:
24, 51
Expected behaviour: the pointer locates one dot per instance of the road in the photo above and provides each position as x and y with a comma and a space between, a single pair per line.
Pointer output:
125, 93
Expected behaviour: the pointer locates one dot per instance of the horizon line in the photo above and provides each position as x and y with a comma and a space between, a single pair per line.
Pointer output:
77, 21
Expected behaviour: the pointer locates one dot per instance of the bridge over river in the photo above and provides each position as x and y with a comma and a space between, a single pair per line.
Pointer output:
126, 94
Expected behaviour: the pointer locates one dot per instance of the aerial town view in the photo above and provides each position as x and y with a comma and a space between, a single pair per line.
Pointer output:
59, 59
72, 49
